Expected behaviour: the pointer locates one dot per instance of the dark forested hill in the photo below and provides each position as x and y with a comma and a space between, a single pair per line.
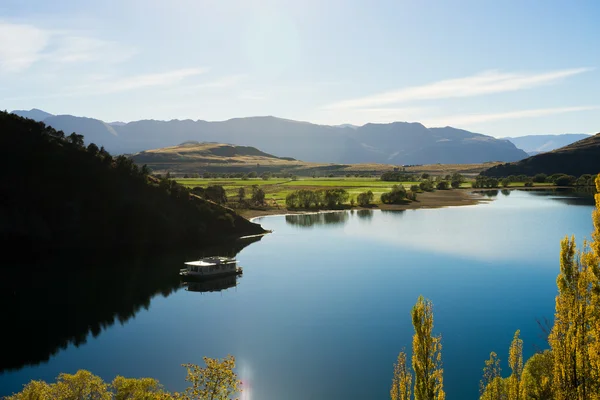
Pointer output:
394, 143
57, 193
582, 157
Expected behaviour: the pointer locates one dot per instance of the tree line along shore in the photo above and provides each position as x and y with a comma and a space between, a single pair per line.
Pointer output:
253, 195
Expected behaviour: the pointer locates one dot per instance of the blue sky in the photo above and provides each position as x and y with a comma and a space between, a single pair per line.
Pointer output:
504, 68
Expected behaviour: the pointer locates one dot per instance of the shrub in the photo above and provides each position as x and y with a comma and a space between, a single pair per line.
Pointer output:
396, 196
565, 180
540, 178
442, 185
426, 186
365, 198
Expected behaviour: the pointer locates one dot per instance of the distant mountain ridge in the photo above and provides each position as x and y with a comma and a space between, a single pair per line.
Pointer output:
398, 143
581, 157
534, 144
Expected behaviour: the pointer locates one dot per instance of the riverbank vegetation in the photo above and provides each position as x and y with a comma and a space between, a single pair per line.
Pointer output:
58, 193
215, 381
568, 370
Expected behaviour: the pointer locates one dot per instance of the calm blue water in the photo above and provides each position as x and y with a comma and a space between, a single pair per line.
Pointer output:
323, 307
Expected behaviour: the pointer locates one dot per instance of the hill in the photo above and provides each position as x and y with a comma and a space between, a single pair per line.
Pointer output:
34, 114
581, 157
58, 194
535, 144
394, 143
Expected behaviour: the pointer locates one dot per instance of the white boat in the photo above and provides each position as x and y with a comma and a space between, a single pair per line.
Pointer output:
210, 267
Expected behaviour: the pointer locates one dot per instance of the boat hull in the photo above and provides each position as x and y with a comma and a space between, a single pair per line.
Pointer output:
198, 276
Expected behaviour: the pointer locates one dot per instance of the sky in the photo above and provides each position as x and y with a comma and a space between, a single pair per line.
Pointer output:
502, 68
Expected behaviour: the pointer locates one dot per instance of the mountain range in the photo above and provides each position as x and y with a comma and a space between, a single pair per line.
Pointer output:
581, 157
535, 144
399, 143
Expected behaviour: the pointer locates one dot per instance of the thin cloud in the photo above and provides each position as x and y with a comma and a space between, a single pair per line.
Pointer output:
23, 45
20, 46
481, 118
169, 78
252, 96
484, 83
225, 81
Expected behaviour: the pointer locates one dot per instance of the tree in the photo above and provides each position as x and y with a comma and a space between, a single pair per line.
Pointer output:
93, 149
442, 185
515, 362
335, 197
427, 354
258, 195
505, 182
291, 200
241, 194
491, 386
216, 381
540, 178
426, 186
131, 388
537, 377
365, 198
396, 196
75, 139
81, 385
402, 379
565, 180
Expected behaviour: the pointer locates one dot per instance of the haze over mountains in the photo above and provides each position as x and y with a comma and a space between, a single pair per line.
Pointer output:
535, 144
397, 143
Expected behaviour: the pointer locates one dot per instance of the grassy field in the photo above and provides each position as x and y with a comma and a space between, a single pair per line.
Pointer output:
277, 189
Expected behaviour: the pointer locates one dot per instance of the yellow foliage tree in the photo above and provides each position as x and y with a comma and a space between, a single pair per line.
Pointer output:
402, 380
515, 362
136, 389
575, 336
491, 386
426, 360
216, 381
427, 354
537, 377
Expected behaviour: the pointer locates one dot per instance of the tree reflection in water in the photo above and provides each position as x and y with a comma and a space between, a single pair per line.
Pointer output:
52, 303
325, 218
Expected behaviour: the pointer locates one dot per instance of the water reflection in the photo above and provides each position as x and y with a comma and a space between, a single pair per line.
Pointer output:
59, 301
211, 285
505, 192
489, 193
583, 196
364, 214
309, 220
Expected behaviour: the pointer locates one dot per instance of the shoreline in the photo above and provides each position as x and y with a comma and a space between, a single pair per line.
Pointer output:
425, 200
436, 199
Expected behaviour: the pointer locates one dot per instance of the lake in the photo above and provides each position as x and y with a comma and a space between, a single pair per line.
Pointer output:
323, 307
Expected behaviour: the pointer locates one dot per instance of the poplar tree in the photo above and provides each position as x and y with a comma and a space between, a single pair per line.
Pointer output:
575, 336
402, 380
491, 386
427, 354
515, 362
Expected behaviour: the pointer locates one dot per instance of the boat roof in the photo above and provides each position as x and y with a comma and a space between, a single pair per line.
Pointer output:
208, 261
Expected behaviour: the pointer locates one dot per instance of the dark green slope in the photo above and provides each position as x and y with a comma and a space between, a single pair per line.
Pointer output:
56, 193
581, 157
